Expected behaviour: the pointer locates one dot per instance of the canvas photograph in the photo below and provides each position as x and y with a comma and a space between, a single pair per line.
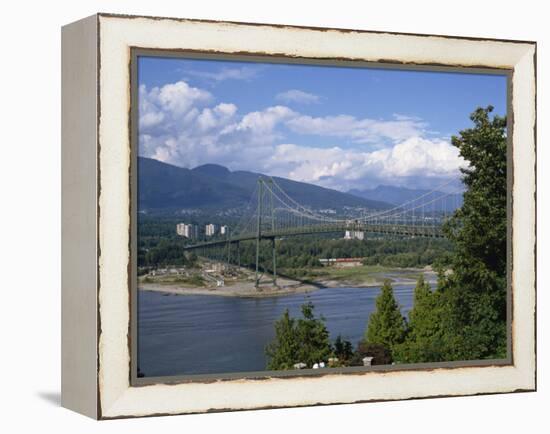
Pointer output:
307, 217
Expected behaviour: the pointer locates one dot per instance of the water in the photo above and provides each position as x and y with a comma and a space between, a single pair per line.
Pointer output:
204, 334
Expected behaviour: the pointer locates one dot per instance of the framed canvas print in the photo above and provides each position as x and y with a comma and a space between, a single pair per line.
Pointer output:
261, 216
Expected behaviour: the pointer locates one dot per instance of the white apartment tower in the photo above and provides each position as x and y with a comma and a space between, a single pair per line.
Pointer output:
210, 230
187, 230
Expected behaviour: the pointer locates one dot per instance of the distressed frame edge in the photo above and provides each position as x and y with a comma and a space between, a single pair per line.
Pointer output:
304, 27
135, 54
79, 220
370, 400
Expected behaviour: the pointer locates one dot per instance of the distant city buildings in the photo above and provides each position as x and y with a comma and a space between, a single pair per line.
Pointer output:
187, 230
354, 235
210, 229
192, 231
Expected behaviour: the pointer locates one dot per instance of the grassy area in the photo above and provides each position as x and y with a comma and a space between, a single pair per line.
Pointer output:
362, 274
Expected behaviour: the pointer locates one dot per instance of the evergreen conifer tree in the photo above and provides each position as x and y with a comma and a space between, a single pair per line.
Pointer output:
386, 325
283, 351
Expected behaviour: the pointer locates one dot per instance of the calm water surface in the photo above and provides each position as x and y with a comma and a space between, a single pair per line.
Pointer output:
204, 334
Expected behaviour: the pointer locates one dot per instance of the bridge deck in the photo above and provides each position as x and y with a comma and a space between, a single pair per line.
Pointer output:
402, 230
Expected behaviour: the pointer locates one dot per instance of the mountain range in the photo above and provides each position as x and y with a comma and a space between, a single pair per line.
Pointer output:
163, 186
400, 195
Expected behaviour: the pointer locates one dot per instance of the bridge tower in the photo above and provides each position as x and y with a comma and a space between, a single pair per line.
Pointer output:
259, 230
261, 194
273, 250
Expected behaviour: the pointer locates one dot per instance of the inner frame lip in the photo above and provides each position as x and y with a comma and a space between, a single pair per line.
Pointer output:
387, 64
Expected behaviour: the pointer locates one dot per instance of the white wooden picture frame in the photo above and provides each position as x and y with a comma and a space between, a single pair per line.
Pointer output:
97, 207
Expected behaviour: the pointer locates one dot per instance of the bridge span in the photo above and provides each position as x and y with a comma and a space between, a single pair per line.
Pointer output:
272, 214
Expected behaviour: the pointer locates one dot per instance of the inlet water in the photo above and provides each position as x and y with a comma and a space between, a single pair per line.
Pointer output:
207, 334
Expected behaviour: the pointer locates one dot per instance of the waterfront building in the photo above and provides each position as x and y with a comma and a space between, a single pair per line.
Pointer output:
354, 235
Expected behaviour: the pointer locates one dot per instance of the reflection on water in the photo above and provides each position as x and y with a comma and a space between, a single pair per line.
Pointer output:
204, 334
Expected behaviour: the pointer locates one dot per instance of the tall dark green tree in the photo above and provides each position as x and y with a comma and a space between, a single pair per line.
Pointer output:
465, 318
313, 337
424, 329
283, 351
386, 325
475, 291
305, 340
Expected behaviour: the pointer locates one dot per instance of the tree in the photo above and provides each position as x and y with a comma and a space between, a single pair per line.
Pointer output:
343, 350
305, 340
283, 351
380, 354
313, 337
386, 325
423, 341
474, 293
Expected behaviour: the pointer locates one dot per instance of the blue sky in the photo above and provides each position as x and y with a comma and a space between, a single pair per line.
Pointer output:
338, 127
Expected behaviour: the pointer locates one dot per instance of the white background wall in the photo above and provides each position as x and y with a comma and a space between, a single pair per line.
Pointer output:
30, 217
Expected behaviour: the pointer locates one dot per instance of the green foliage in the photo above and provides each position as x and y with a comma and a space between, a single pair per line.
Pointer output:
465, 318
424, 333
305, 340
343, 350
313, 337
283, 351
386, 325
475, 291
298, 257
166, 252
380, 354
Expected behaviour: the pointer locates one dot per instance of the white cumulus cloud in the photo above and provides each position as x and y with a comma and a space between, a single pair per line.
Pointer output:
359, 130
344, 169
185, 125
297, 96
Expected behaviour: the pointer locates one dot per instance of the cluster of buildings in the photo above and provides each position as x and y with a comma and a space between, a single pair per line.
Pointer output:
192, 231
212, 229
354, 235
187, 230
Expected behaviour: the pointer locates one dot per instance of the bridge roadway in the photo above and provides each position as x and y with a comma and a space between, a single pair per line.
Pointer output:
417, 230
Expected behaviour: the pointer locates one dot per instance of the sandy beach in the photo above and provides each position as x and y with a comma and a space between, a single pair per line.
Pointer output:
285, 286
241, 289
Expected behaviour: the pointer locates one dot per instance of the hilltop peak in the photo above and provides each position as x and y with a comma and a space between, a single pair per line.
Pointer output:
214, 170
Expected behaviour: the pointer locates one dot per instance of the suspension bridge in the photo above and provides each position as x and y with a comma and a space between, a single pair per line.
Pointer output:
272, 214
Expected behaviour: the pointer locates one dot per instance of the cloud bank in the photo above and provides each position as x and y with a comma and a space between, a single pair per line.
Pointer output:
186, 126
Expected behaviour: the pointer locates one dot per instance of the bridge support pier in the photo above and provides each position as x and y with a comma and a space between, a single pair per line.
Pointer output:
274, 253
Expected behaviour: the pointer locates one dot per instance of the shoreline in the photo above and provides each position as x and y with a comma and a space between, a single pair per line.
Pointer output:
286, 286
